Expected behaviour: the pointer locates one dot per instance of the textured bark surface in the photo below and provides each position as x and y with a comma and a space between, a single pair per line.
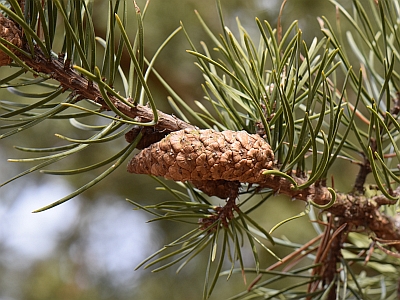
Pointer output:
201, 155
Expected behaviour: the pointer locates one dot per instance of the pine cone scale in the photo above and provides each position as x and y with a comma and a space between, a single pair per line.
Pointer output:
11, 33
206, 155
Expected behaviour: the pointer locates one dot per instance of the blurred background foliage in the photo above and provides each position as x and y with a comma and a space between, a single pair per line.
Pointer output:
88, 248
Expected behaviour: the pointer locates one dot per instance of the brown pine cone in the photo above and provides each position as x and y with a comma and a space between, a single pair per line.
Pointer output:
202, 155
221, 188
10, 32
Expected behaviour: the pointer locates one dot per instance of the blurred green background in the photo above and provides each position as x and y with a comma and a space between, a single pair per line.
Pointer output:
88, 247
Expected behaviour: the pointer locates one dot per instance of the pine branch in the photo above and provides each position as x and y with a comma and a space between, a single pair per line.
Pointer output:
219, 163
353, 209
83, 88
203, 156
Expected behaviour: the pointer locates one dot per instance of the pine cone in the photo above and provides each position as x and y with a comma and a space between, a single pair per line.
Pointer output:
206, 155
10, 32
220, 188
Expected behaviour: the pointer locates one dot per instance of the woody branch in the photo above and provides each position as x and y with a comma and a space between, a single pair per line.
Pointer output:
359, 211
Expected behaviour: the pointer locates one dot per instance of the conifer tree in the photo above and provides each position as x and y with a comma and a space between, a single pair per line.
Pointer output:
277, 116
